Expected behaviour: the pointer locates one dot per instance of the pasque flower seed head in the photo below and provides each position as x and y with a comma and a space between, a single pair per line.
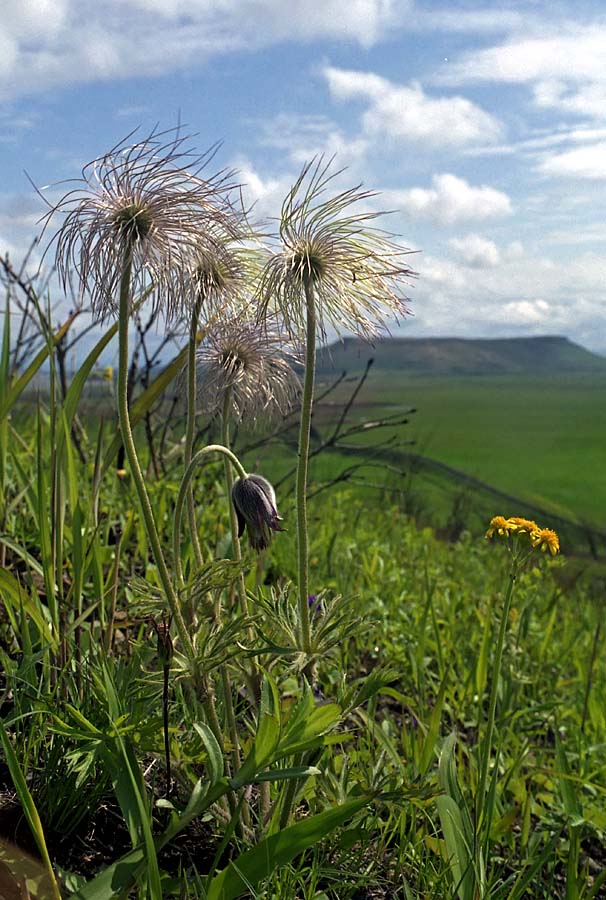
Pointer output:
354, 270
144, 205
250, 362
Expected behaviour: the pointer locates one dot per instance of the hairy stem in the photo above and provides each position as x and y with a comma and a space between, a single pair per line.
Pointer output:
133, 460
191, 423
492, 703
303, 453
198, 458
233, 519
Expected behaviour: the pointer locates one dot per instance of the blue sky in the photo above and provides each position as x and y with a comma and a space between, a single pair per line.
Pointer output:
482, 124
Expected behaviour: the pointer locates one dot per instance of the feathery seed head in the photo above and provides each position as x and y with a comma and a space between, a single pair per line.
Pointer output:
354, 269
250, 362
219, 275
146, 204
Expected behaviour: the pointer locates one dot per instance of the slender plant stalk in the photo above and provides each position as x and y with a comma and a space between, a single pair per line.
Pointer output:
229, 482
594, 653
166, 723
115, 580
191, 425
241, 590
234, 737
131, 454
198, 458
304, 432
492, 704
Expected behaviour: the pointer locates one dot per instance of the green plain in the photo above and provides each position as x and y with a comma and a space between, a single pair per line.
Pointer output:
542, 439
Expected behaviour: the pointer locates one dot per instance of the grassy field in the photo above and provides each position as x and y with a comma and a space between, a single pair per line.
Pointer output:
217, 684
422, 669
541, 439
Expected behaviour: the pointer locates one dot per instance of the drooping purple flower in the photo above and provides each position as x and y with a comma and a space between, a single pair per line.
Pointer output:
314, 603
255, 502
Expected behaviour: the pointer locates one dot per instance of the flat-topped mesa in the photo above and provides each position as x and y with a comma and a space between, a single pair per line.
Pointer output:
463, 356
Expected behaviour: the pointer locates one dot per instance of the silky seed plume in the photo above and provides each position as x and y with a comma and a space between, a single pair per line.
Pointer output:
143, 204
354, 269
253, 364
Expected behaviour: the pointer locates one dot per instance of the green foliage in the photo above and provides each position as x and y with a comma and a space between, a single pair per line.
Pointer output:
410, 725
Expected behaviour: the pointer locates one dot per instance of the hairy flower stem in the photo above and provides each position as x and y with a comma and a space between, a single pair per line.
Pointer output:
198, 458
304, 432
191, 424
482, 813
254, 682
233, 519
133, 460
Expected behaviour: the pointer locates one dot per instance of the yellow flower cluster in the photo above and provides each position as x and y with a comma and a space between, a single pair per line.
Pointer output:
543, 538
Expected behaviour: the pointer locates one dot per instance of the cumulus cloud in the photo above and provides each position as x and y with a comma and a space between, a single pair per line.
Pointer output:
564, 69
19, 223
451, 201
45, 43
521, 295
537, 58
476, 251
361, 20
587, 162
585, 100
302, 137
263, 193
469, 20
407, 113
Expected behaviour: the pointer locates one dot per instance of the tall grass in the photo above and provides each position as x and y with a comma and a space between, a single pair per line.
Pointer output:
345, 706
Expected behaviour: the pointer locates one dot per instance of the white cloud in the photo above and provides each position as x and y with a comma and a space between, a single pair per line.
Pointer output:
451, 200
564, 69
584, 162
476, 251
514, 250
519, 296
586, 100
440, 272
19, 223
265, 195
302, 137
575, 55
45, 43
468, 20
526, 312
363, 21
406, 113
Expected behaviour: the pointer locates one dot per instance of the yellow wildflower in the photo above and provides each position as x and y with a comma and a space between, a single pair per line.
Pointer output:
516, 526
522, 526
499, 525
546, 539
108, 373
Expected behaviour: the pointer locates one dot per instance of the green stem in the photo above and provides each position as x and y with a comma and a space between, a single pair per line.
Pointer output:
191, 423
290, 793
494, 687
304, 432
133, 460
233, 519
178, 515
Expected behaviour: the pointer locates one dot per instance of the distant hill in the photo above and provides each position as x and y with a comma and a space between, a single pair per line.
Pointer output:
458, 356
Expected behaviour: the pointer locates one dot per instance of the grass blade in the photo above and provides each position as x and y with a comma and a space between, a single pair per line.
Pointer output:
29, 809
249, 869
